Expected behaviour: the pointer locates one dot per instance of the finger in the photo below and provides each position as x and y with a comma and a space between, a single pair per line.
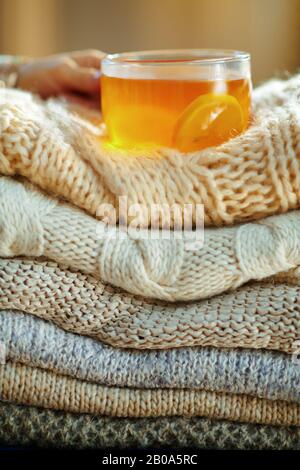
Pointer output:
83, 101
90, 58
81, 79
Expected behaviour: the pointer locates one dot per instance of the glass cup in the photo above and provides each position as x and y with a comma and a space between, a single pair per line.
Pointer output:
186, 99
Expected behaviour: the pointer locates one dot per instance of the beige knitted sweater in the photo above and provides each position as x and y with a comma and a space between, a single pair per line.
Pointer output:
254, 175
33, 386
261, 315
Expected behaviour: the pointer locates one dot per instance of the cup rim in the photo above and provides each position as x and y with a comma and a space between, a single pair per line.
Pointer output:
190, 57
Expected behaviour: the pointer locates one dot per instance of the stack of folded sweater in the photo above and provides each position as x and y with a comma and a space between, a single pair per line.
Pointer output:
165, 343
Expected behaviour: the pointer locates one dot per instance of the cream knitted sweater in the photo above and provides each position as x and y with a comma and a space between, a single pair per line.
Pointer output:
34, 225
251, 176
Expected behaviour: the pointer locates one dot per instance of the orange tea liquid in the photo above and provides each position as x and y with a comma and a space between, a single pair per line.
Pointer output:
184, 114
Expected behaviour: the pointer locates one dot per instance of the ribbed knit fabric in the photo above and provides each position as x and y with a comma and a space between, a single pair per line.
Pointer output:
29, 426
34, 342
264, 315
254, 175
32, 386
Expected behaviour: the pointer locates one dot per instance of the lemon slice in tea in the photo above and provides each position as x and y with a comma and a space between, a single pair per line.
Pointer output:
209, 120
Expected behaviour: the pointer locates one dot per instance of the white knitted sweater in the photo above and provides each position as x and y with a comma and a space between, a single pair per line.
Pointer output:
34, 225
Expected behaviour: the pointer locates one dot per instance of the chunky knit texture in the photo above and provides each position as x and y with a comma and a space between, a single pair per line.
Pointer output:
254, 175
250, 177
32, 386
264, 315
34, 225
29, 426
34, 342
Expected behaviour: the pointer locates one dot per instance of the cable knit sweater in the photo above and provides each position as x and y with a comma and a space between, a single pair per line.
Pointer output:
34, 225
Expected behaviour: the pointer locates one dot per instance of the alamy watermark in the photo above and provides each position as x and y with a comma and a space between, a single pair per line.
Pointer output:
155, 222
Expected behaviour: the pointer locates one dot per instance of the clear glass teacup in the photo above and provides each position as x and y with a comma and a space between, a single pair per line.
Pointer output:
186, 99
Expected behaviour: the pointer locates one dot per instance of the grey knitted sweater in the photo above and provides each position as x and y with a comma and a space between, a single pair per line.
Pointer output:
35, 342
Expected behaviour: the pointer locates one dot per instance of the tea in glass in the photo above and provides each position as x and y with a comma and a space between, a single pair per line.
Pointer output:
188, 99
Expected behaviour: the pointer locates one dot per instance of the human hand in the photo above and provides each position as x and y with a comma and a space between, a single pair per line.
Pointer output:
74, 76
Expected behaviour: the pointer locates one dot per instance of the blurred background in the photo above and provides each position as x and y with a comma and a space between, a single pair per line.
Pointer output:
268, 29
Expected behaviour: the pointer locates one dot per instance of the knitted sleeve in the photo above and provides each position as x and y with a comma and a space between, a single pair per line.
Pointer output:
251, 176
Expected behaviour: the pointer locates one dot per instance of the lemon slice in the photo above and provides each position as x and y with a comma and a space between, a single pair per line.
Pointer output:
209, 120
